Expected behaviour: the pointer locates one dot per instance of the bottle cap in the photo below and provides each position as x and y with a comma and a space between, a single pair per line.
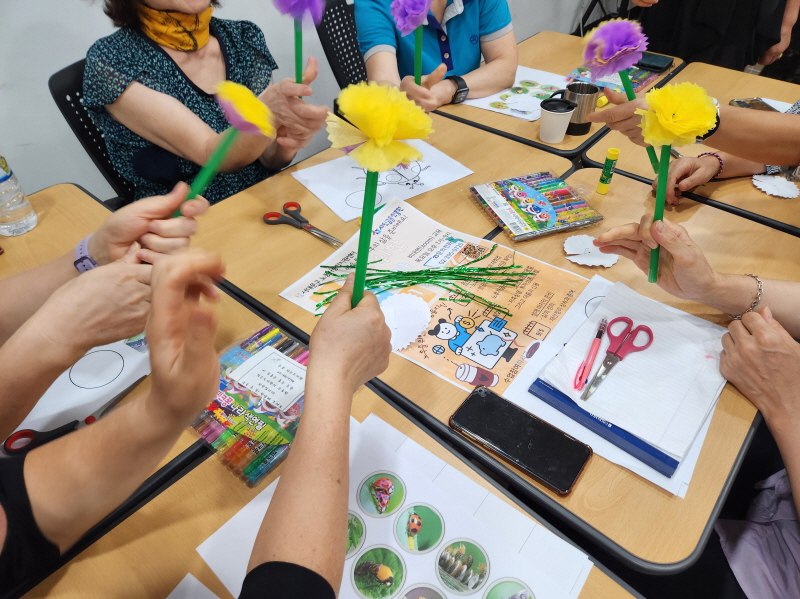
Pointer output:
602, 101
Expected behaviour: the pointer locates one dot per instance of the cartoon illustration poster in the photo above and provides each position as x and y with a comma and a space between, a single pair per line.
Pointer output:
466, 342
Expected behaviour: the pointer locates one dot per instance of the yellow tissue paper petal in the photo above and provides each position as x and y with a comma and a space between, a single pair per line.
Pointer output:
412, 122
374, 158
341, 133
245, 108
678, 114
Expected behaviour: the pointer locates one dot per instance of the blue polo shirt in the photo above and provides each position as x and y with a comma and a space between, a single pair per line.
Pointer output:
456, 41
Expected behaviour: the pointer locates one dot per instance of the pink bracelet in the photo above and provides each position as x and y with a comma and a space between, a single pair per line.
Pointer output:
719, 159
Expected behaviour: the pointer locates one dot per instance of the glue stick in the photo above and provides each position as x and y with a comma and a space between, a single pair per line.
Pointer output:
608, 170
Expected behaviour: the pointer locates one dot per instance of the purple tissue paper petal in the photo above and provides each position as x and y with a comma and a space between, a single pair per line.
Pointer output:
236, 121
409, 14
297, 9
614, 46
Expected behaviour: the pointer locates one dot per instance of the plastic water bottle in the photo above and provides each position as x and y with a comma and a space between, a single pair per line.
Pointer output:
16, 214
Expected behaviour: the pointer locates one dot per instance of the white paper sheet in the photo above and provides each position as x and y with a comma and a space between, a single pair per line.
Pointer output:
407, 316
778, 105
94, 380
374, 449
523, 99
339, 183
581, 250
518, 393
662, 394
273, 376
191, 588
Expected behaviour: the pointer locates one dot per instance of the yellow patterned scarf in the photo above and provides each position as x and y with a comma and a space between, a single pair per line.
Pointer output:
176, 29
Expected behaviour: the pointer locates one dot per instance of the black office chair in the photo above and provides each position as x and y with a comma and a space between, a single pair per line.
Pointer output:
337, 33
66, 87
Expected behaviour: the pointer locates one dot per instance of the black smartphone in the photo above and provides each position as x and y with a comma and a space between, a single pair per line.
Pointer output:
548, 454
658, 63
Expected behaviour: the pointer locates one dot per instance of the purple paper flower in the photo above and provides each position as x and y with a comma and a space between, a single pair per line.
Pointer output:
614, 46
409, 14
297, 9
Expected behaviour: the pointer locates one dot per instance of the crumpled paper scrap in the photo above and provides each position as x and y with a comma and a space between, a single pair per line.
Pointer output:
776, 185
407, 316
584, 252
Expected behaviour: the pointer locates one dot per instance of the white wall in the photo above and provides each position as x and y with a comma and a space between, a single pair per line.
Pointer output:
39, 37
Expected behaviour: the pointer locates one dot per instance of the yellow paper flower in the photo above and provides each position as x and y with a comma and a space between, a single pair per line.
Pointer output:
380, 117
243, 110
678, 115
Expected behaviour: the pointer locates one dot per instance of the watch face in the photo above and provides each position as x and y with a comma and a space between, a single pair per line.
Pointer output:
461, 95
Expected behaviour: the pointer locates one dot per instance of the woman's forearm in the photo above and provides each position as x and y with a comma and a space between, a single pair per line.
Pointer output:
297, 528
739, 167
491, 78
763, 137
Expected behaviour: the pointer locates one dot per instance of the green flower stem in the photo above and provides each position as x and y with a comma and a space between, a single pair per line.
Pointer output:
661, 194
211, 167
418, 55
626, 83
365, 236
298, 50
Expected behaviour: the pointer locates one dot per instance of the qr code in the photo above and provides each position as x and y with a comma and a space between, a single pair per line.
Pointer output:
473, 251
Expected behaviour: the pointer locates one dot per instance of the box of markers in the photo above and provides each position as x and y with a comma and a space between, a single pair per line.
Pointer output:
534, 205
254, 416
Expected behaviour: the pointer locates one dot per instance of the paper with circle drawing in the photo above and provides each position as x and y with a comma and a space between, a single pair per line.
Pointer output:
516, 546
339, 183
275, 377
95, 379
662, 394
467, 344
775, 185
581, 250
523, 99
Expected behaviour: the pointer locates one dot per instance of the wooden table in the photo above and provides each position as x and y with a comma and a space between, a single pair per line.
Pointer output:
725, 85
549, 51
646, 523
153, 549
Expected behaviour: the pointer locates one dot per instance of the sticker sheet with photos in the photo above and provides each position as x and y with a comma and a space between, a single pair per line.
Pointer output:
419, 529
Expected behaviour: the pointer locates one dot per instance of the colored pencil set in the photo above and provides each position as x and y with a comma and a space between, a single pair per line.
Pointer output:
534, 205
250, 435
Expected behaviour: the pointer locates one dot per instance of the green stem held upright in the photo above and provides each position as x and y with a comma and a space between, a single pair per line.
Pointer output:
365, 237
418, 55
210, 168
658, 214
298, 51
626, 83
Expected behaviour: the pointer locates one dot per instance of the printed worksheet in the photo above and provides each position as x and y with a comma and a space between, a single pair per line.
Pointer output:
523, 99
340, 183
466, 343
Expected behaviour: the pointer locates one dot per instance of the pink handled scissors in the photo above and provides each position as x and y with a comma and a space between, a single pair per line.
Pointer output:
621, 345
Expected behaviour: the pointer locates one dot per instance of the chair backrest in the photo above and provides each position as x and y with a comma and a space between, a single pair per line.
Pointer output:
337, 33
66, 87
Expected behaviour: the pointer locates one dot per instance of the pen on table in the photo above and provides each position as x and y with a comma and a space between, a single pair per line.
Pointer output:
585, 369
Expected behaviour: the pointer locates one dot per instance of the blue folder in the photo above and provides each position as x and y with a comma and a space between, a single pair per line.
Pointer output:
641, 450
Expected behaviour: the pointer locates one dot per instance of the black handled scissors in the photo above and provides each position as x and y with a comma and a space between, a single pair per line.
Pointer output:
292, 209
22, 441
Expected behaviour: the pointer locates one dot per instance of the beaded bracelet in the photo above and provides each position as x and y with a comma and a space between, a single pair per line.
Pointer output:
719, 159
752, 307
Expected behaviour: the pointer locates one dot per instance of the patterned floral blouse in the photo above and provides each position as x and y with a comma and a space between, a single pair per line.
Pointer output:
127, 55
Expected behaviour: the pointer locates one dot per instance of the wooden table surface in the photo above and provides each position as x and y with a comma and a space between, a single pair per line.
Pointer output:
549, 51
150, 552
725, 85
645, 520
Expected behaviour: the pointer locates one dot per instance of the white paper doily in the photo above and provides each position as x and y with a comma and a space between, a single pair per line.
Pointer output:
581, 250
776, 185
407, 316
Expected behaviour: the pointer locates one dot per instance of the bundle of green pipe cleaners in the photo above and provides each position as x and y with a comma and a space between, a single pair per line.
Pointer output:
379, 280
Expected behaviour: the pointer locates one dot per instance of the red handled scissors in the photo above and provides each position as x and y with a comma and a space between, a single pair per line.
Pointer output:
22, 441
621, 345
292, 209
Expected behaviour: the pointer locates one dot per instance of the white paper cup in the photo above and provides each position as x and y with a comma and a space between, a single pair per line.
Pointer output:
553, 123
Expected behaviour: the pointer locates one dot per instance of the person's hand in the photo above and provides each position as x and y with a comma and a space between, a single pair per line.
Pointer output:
295, 119
434, 91
148, 221
622, 117
761, 359
683, 269
101, 306
349, 346
644, 3
775, 52
180, 333
686, 173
